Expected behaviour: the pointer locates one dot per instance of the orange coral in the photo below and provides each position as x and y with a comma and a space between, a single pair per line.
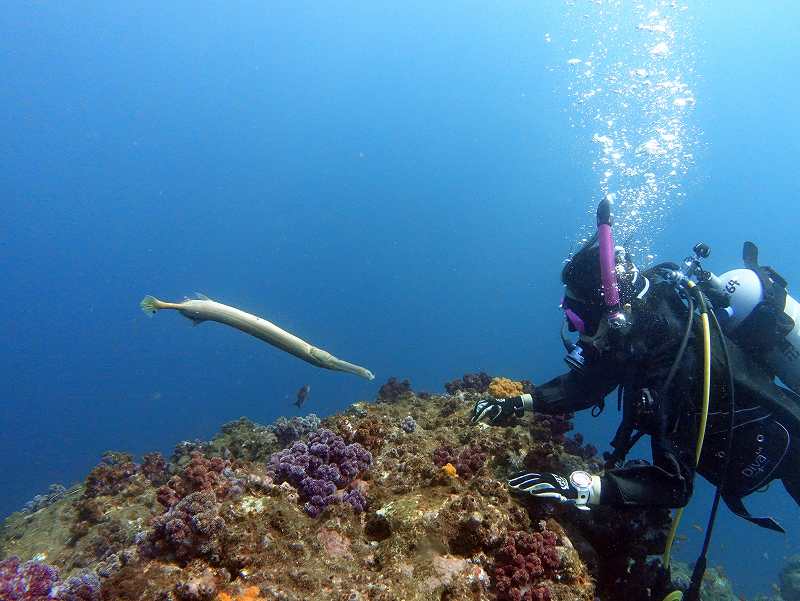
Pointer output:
450, 470
251, 593
501, 388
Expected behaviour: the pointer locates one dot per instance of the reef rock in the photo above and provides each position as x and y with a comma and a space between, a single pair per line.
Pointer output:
395, 499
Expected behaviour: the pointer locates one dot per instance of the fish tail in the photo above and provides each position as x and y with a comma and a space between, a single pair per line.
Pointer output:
150, 304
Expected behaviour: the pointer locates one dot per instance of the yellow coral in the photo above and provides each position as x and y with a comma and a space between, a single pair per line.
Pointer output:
502, 388
251, 593
450, 470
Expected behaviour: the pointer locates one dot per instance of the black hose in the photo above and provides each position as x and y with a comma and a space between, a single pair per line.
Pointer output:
668, 265
681, 350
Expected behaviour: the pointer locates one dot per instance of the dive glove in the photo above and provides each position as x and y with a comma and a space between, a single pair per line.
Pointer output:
495, 410
580, 488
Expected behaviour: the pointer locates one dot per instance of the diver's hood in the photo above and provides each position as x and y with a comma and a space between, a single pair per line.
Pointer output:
584, 296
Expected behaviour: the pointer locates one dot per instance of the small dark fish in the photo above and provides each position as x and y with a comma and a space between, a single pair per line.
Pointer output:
302, 395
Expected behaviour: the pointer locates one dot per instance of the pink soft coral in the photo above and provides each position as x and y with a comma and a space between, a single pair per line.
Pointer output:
520, 564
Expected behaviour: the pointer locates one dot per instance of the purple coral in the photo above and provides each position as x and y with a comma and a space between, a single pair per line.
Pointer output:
29, 581
201, 473
192, 528
319, 468
289, 430
394, 390
558, 425
467, 461
408, 424
154, 468
111, 476
469, 382
38, 581
356, 499
320, 493
81, 587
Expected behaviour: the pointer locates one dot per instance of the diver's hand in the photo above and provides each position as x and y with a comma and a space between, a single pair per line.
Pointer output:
495, 410
580, 488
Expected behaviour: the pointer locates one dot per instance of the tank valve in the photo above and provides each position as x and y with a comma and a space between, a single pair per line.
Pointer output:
701, 250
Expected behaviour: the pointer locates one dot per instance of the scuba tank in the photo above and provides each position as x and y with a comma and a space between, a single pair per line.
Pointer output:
761, 316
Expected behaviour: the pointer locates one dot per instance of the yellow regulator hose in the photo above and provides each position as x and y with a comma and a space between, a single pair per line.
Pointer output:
665, 560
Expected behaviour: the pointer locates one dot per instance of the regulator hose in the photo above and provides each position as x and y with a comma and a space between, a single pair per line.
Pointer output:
701, 303
693, 593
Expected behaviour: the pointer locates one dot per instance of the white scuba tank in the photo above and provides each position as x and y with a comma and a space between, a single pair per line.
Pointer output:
746, 291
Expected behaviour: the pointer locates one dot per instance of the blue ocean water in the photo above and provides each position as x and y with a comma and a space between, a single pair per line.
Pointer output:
397, 184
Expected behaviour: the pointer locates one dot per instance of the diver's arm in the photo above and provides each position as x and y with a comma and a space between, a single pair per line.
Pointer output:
570, 392
575, 391
646, 485
668, 483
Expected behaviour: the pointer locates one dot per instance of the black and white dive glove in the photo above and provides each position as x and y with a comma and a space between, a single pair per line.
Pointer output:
495, 410
580, 489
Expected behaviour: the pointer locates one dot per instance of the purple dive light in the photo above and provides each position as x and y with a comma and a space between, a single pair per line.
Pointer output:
605, 239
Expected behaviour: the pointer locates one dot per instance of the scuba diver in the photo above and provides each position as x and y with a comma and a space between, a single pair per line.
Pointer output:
694, 358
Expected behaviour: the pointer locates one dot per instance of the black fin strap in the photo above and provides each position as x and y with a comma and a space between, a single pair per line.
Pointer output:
773, 284
750, 255
736, 506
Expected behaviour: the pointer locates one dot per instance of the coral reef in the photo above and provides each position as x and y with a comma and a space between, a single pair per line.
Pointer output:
114, 472
393, 390
154, 468
790, 579
244, 439
321, 467
192, 528
408, 424
200, 474
469, 382
289, 430
55, 492
501, 388
182, 453
376, 505
715, 586
369, 432
37, 581
522, 562
467, 462
81, 587
29, 581
251, 593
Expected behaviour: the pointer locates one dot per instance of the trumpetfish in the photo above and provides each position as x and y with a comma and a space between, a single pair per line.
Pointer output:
204, 309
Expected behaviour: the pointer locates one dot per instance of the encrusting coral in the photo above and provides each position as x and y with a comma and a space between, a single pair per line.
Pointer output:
372, 504
251, 593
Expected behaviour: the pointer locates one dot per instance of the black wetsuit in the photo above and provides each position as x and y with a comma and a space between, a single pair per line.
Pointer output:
765, 411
